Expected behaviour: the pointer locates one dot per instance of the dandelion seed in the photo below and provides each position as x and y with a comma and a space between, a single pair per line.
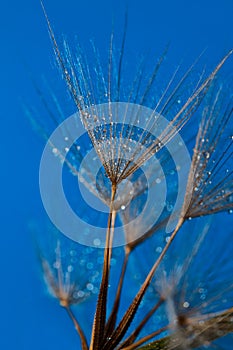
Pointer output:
109, 144
195, 307
210, 187
60, 282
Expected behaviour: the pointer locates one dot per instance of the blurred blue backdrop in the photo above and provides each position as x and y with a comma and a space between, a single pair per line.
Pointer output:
29, 320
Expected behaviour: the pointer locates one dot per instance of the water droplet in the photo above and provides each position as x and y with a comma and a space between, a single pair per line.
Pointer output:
70, 268
80, 294
73, 253
206, 155
97, 242
169, 207
57, 265
90, 286
89, 265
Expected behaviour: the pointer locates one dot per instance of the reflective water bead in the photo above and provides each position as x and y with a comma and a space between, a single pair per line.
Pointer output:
70, 268
55, 150
90, 286
96, 242
90, 265
57, 264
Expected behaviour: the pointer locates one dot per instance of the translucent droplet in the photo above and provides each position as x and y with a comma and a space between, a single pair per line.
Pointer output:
169, 207
97, 242
73, 253
89, 265
80, 294
70, 268
57, 265
90, 286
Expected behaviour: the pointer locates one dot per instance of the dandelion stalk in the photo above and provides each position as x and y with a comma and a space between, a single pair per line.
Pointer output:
203, 332
136, 332
100, 315
145, 339
77, 327
124, 324
113, 316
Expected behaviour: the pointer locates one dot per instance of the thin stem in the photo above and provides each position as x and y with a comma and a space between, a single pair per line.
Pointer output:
77, 327
124, 324
100, 314
146, 338
113, 316
136, 332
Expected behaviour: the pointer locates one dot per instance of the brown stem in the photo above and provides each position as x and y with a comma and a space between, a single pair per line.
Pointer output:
113, 316
136, 332
78, 328
146, 338
201, 333
100, 314
124, 324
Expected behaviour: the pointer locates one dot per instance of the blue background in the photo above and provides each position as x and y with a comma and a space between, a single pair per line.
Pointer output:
29, 320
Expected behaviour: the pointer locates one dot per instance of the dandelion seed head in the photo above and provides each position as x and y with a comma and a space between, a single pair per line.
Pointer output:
212, 180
